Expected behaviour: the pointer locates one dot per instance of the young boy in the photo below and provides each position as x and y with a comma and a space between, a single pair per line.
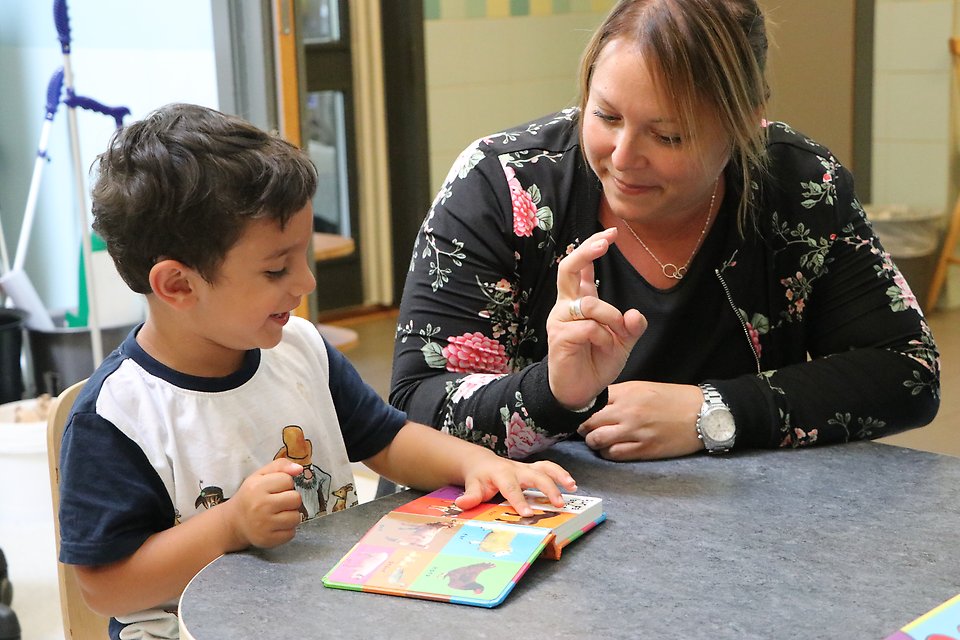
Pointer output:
224, 421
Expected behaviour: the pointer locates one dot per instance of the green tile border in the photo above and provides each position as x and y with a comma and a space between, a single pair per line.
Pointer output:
460, 9
431, 9
519, 7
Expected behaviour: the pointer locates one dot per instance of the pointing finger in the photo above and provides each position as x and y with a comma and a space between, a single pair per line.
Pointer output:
569, 277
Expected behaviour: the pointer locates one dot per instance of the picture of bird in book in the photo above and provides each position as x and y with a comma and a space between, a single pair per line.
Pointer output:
313, 484
497, 542
465, 578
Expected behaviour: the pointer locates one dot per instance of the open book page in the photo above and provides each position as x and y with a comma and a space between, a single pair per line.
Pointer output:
431, 557
430, 548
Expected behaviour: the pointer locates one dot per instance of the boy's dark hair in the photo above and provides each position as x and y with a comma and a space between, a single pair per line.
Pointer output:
184, 182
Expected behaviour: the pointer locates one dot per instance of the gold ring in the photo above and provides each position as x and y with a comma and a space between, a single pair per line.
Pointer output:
576, 312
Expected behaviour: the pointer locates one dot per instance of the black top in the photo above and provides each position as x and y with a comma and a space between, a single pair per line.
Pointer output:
802, 322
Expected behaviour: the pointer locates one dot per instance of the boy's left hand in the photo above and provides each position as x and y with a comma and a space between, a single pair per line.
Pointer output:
489, 474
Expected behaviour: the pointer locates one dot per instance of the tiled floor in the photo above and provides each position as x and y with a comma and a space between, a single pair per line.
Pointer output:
26, 533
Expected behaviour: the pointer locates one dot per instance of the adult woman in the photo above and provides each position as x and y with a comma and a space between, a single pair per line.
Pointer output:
773, 311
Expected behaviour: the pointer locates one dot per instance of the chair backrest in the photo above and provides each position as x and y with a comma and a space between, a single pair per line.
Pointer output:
79, 622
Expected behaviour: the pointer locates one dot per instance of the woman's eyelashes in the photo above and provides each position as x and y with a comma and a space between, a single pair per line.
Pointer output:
668, 139
606, 117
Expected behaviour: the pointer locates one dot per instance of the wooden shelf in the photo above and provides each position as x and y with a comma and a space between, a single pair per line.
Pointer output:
340, 337
328, 246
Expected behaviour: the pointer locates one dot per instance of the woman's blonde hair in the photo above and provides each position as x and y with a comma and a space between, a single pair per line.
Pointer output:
701, 53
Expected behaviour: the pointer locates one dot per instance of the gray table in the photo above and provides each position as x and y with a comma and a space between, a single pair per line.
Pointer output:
850, 541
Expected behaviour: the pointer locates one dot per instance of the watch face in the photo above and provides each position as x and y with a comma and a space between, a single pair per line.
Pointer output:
718, 425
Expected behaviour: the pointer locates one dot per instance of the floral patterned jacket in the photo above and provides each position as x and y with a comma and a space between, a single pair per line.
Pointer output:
828, 338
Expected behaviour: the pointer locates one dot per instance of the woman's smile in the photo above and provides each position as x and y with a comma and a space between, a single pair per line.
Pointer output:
632, 188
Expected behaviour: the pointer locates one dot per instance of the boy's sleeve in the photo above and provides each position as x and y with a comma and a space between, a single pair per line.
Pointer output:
111, 499
367, 422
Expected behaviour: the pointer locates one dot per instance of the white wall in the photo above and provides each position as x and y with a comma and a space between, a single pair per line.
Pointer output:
912, 115
137, 54
911, 102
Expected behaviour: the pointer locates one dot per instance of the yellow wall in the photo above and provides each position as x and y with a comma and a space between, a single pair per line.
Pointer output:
810, 69
488, 69
953, 283
496, 70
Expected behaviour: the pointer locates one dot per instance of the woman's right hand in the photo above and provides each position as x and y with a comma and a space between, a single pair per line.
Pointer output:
586, 352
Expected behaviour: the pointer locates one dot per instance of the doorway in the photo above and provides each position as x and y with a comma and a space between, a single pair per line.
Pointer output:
293, 65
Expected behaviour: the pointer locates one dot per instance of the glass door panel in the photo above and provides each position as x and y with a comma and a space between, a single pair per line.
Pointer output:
328, 137
319, 21
326, 143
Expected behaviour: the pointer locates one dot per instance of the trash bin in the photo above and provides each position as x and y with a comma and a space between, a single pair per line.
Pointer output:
911, 235
11, 345
65, 355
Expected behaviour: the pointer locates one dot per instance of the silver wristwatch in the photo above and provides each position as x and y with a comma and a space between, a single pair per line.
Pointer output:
715, 424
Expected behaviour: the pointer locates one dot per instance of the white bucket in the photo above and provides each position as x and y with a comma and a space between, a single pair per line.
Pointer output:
24, 471
906, 231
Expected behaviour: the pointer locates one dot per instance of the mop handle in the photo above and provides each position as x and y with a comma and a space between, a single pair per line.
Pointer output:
117, 113
62, 21
53, 101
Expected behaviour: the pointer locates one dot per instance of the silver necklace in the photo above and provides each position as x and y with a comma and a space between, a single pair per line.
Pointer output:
669, 269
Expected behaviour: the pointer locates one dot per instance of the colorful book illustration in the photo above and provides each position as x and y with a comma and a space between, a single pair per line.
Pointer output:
430, 548
940, 623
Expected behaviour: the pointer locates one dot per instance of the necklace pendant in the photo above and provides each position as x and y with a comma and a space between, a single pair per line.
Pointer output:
673, 271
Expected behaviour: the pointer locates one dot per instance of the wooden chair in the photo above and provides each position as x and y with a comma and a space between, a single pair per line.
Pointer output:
79, 622
953, 234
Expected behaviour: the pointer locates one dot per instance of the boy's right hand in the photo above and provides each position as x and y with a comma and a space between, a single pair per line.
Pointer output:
265, 511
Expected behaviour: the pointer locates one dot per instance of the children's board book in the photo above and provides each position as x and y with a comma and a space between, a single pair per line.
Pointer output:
429, 548
940, 623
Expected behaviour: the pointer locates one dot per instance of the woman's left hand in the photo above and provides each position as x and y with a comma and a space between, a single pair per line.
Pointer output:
646, 421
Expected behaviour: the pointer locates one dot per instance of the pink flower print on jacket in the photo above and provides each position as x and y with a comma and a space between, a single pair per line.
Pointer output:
522, 441
756, 326
901, 295
470, 384
754, 338
475, 353
524, 210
